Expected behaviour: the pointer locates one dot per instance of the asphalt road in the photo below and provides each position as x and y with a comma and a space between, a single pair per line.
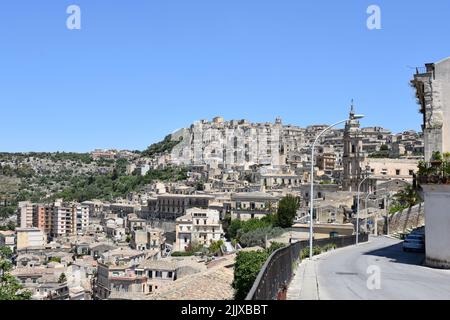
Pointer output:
343, 274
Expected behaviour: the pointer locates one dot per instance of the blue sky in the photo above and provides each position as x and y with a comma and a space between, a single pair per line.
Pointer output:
139, 69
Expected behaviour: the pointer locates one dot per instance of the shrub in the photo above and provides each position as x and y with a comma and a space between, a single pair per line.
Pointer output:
316, 250
215, 247
274, 246
246, 269
258, 237
328, 247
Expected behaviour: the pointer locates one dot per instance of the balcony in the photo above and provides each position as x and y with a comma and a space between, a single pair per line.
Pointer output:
437, 171
254, 210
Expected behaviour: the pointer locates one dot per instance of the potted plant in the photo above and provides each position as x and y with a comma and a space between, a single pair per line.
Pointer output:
446, 170
436, 159
446, 156
423, 173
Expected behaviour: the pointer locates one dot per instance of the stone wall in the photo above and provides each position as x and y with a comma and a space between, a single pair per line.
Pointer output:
410, 218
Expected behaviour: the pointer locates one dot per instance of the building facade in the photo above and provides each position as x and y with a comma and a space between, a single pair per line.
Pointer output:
200, 226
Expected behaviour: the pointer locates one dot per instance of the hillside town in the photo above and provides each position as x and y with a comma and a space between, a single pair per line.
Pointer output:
170, 222
170, 236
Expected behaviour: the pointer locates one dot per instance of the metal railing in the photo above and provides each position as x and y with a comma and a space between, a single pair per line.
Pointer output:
278, 270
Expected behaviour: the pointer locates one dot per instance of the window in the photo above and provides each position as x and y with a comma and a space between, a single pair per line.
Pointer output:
158, 275
169, 274
411, 172
334, 234
150, 275
397, 172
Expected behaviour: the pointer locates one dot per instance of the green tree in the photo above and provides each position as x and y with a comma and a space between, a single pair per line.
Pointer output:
160, 147
5, 253
62, 278
408, 196
234, 227
246, 269
248, 265
215, 247
287, 210
10, 287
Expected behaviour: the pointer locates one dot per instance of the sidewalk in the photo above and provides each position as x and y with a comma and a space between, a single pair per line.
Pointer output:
304, 285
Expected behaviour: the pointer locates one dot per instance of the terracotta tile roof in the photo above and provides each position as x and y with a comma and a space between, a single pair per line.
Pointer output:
213, 284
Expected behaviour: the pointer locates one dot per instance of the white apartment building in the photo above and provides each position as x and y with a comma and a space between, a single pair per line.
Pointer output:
201, 226
61, 221
69, 220
82, 218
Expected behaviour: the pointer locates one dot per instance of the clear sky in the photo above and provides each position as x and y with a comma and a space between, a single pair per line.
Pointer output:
140, 69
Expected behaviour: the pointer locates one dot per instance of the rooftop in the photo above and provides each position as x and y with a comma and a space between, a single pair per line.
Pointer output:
253, 195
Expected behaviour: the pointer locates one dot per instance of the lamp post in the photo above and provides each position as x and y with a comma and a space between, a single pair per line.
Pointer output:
357, 210
311, 203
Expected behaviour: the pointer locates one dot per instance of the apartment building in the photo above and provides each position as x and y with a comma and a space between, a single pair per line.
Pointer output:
147, 238
248, 205
42, 217
61, 221
116, 272
82, 218
172, 206
25, 214
55, 220
200, 226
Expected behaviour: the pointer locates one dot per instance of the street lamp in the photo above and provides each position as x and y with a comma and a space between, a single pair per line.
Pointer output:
357, 210
311, 208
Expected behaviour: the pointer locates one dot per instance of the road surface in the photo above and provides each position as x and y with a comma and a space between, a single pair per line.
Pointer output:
342, 274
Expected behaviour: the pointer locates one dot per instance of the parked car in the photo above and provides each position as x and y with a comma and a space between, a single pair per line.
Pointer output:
416, 236
414, 242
